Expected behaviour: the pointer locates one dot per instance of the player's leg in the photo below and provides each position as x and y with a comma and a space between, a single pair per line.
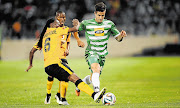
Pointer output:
58, 95
62, 71
55, 71
49, 86
85, 88
97, 63
94, 66
58, 72
63, 87
68, 73
63, 91
87, 80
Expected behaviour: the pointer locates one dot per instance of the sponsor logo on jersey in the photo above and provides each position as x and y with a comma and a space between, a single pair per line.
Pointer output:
99, 31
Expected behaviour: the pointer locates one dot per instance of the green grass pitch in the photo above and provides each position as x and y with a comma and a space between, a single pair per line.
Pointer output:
136, 82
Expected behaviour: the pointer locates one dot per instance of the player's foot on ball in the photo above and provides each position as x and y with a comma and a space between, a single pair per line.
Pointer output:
47, 99
57, 97
77, 92
99, 95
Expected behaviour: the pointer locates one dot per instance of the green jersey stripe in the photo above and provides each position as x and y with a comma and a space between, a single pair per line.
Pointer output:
95, 26
89, 34
97, 37
100, 40
99, 43
103, 53
99, 48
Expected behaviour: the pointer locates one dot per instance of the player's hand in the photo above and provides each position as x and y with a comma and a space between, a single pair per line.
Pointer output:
66, 53
30, 66
75, 22
80, 43
123, 33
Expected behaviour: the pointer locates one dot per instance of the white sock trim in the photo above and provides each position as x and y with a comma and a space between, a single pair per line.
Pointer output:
96, 82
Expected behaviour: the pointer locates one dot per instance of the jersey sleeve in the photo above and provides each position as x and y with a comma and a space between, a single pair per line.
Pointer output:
82, 26
36, 46
68, 37
115, 32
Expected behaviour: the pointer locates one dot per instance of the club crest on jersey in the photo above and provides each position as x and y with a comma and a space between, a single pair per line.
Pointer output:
99, 31
62, 36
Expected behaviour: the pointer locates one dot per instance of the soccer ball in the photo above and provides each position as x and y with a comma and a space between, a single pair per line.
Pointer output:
109, 99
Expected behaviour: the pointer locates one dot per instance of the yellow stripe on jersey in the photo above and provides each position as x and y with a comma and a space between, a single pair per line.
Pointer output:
68, 38
65, 38
65, 68
36, 46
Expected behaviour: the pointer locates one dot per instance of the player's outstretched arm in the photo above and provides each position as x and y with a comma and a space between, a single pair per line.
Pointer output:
79, 42
66, 53
75, 24
31, 55
120, 37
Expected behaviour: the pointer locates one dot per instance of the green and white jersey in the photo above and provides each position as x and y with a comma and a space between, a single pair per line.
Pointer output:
97, 35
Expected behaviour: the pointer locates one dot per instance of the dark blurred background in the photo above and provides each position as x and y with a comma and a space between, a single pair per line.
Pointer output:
153, 26
26, 18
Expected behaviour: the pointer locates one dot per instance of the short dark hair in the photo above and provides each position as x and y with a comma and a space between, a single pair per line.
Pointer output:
100, 7
59, 11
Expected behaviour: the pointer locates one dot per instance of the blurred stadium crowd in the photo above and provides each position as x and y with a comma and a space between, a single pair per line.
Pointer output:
26, 18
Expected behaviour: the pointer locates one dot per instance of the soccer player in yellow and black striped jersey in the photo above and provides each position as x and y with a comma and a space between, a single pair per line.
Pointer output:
63, 85
54, 67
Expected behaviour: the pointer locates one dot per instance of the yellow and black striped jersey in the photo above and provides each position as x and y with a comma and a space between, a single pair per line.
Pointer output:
51, 45
65, 39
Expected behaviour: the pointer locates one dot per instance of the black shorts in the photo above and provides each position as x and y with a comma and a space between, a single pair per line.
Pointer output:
61, 71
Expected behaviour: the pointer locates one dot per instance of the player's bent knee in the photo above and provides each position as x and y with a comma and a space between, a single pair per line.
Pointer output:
73, 78
95, 67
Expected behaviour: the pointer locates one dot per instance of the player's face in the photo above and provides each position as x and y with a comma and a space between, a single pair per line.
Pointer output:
99, 16
61, 17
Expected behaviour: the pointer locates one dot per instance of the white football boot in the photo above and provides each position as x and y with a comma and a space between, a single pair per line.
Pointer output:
99, 95
47, 99
58, 98
63, 103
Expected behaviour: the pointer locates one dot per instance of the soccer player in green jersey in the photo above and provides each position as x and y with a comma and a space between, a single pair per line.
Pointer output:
97, 32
